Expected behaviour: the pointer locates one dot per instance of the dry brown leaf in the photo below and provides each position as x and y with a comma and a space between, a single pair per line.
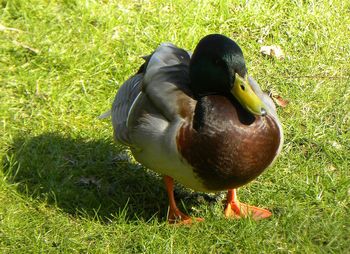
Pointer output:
272, 51
278, 100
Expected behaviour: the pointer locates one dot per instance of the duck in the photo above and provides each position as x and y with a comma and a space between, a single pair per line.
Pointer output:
199, 119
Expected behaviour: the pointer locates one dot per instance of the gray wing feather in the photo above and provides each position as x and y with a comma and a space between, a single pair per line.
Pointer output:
122, 104
163, 79
167, 78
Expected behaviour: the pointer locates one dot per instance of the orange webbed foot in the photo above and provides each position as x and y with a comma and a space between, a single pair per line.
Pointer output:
235, 209
239, 210
175, 216
179, 218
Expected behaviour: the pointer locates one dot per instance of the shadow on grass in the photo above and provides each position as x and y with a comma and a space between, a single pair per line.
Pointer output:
85, 177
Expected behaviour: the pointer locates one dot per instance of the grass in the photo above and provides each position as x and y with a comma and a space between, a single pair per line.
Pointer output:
64, 186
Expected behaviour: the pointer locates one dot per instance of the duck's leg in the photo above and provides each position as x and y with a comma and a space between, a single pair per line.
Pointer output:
236, 209
175, 215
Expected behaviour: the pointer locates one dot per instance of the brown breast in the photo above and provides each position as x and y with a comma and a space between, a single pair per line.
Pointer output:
227, 147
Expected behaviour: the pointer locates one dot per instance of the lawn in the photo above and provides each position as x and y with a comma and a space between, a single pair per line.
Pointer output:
65, 187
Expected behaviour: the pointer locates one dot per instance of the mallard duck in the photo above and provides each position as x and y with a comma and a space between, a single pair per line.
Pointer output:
201, 120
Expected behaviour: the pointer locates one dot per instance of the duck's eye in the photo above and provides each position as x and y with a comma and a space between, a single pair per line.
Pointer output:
243, 87
220, 62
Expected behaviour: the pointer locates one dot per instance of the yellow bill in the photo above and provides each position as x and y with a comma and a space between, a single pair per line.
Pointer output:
246, 96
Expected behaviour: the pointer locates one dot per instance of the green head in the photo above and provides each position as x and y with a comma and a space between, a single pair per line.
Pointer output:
217, 67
